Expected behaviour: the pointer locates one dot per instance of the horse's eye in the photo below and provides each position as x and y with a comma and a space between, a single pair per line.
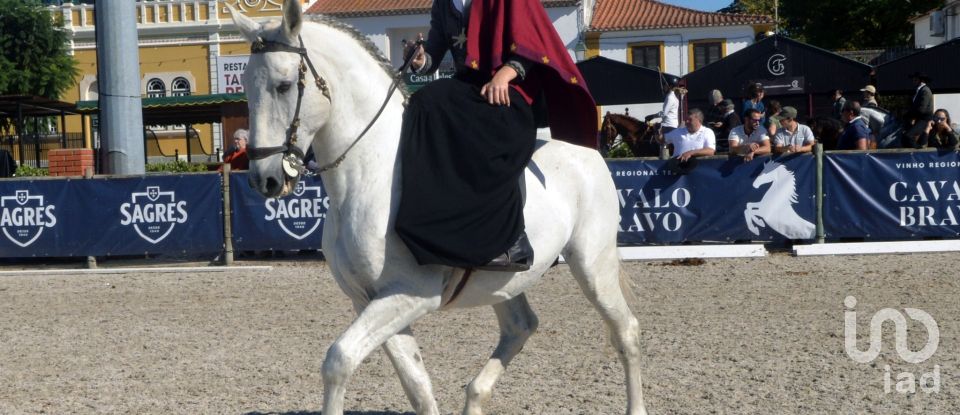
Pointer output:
283, 87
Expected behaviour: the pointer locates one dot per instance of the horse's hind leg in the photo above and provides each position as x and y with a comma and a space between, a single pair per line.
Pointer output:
403, 351
597, 270
380, 320
517, 323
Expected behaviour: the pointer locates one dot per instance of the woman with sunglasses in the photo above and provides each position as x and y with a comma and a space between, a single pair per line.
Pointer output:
939, 132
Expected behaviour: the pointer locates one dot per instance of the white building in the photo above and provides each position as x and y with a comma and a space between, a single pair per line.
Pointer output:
937, 26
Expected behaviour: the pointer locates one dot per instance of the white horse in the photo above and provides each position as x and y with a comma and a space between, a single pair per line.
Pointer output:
776, 208
571, 209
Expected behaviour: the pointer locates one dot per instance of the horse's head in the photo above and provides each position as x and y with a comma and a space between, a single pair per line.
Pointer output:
771, 171
280, 86
608, 131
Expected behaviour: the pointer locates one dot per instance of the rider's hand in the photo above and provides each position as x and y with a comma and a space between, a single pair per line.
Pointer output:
420, 56
497, 91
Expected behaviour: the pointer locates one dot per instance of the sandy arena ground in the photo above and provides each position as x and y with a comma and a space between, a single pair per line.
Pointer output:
749, 336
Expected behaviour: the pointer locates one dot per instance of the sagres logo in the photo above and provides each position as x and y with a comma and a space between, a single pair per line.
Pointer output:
23, 217
776, 208
300, 214
906, 381
153, 213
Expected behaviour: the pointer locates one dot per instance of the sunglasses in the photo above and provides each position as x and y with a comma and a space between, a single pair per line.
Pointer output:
755, 121
938, 119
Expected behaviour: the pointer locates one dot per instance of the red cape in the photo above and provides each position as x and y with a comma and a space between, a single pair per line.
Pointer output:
499, 28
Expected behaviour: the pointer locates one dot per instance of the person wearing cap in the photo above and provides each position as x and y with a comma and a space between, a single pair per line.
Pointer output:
792, 137
856, 134
750, 139
729, 121
696, 140
869, 96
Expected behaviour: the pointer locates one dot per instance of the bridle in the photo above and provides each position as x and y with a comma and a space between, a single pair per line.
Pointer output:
293, 165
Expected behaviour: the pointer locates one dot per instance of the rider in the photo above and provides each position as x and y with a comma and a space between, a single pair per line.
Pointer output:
466, 141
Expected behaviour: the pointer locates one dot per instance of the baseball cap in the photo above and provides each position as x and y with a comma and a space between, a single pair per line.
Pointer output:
869, 88
788, 112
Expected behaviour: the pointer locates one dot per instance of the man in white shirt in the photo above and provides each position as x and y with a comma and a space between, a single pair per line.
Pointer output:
749, 140
693, 141
792, 137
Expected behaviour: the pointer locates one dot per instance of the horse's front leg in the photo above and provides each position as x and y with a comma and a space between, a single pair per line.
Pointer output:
517, 323
403, 351
750, 215
385, 316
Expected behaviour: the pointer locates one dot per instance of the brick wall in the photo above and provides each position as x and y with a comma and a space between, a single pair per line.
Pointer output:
70, 162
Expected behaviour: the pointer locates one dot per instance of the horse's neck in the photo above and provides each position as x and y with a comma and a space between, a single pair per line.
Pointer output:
368, 174
782, 183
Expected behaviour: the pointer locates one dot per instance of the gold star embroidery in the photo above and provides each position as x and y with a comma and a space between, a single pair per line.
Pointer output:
573, 80
545, 60
474, 65
513, 47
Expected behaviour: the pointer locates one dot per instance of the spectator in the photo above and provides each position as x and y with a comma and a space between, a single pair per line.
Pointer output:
671, 109
875, 118
714, 113
755, 101
856, 134
773, 121
8, 165
869, 97
838, 103
729, 121
749, 139
792, 137
939, 132
238, 159
921, 109
696, 140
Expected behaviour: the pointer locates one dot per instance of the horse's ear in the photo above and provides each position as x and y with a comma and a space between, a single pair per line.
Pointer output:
249, 28
292, 18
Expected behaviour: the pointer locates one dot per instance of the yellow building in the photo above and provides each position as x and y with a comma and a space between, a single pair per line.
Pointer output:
187, 47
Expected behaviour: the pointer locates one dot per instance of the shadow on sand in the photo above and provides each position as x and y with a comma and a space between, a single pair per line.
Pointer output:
319, 413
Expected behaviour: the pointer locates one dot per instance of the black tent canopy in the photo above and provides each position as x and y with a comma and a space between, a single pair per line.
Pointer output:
792, 72
940, 63
616, 83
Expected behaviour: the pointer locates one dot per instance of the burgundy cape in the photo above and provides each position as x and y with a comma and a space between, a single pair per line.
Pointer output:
499, 28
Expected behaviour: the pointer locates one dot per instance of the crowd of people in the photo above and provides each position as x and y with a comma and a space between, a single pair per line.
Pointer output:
763, 127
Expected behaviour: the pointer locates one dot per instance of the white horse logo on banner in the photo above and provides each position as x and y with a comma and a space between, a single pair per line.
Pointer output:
776, 208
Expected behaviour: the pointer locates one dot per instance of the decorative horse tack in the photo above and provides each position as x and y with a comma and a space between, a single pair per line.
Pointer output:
293, 165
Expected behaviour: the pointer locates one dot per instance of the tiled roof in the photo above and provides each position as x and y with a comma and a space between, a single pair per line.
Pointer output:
617, 15
365, 8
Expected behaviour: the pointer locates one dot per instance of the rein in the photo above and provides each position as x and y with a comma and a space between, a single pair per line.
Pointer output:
293, 165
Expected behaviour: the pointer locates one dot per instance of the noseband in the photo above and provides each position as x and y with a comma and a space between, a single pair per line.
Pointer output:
293, 165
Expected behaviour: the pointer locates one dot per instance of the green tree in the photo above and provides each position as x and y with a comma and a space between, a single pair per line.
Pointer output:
843, 24
33, 51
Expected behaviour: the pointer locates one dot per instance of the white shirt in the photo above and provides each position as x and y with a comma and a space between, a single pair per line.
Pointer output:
684, 141
671, 111
803, 136
738, 136
461, 5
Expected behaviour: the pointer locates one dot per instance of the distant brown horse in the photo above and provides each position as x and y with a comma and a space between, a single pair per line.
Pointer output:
639, 136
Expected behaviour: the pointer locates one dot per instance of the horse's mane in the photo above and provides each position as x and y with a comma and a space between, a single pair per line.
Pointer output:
794, 198
626, 117
364, 41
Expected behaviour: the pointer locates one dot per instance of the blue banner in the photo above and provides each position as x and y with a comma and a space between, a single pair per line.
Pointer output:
289, 223
720, 200
892, 195
116, 216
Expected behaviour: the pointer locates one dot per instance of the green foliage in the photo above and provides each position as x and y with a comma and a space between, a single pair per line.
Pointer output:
620, 151
29, 171
843, 24
178, 166
33, 51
